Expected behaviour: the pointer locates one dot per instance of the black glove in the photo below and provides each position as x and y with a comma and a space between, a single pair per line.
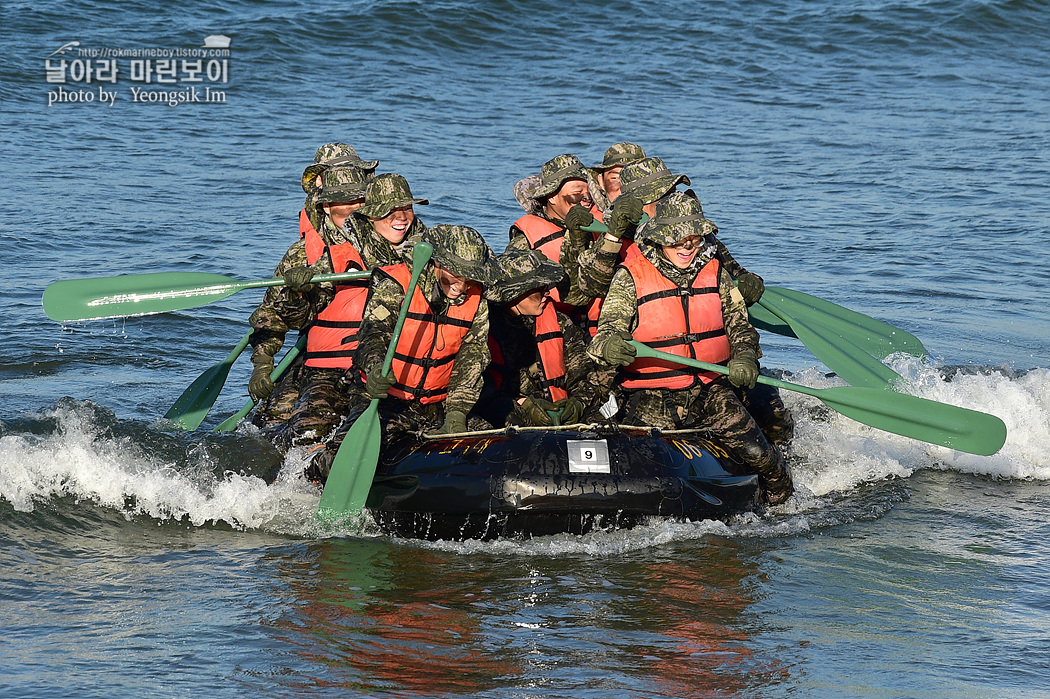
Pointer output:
377, 383
751, 287
617, 351
627, 212
260, 385
743, 371
577, 218
298, 279
571, 409
455, 422
534, 411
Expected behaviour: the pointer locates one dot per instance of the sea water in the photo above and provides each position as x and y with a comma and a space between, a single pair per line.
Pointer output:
887, 156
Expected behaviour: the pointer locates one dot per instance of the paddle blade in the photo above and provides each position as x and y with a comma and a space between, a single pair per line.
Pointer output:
957, 428
190, 409
875, 337
838, 351
134, 294
764, 319
354, 467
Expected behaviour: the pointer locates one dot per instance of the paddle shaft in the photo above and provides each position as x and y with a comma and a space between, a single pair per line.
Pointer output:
350, 479
230, 423
909, 416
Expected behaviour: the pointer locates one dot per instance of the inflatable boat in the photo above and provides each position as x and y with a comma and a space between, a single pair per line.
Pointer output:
540, 481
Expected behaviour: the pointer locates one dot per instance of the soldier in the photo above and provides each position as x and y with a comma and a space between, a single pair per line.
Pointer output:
604, 178
539, 364
382, 233
328, 155
646, 301
442, 351
547, 198
293, 306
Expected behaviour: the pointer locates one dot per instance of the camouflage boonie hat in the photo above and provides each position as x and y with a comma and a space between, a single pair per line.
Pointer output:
520, 271
385, 193
555, 172
462, 251
649, 180
333, 154
620, 154
677, 217
525, 194
342, 184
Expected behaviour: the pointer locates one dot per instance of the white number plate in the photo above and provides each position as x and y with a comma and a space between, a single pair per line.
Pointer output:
588, 455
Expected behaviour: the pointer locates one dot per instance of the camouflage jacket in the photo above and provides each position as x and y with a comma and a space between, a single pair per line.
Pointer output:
385, 297
620, 310
521, 372
283, 309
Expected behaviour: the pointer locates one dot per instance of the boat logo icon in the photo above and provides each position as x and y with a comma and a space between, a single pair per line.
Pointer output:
216, 41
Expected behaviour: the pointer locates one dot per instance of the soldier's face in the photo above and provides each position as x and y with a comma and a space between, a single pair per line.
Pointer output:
570, 194
611, 182
452, 286
394, 226
338, 212
532, 303
682, 253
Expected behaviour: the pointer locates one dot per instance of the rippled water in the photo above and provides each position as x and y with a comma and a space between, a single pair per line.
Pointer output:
888, 156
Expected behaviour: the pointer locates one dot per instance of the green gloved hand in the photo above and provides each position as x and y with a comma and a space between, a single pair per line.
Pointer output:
571, 409
627, 212
455, 423
534, 411
377, 383
261, 385
751, 287
578, 217
298, 279
743, 371
617, 351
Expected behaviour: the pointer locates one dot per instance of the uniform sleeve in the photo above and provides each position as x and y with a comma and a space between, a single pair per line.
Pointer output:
743, 339
518, 241
619, 313
593, 270
269, 322
729, 264
472, 359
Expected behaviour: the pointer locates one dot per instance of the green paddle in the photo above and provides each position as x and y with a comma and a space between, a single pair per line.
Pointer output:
350, 479
918, 418
190, 409
158, 292
836, 349
230, 423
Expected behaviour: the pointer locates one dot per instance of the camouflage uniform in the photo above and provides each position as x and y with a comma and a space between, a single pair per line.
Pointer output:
617, 155
650, 180
275, 408
714, 406
327, 394
463, 252
521, 373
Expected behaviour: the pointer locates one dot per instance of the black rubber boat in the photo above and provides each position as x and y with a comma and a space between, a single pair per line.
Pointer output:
541, 481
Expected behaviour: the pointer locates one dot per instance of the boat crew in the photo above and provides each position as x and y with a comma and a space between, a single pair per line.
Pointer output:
677, 297
282, 308
381, 232
539, 367
442, 350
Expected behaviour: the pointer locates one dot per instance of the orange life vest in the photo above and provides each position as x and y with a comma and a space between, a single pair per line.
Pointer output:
429, 342
551, 345
547, 237
304, 224
332, 338
687, 322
